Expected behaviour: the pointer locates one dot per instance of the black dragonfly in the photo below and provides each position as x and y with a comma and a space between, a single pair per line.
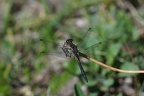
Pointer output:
71, 51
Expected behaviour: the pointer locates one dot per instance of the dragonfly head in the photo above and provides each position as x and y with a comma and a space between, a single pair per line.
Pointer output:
69, 41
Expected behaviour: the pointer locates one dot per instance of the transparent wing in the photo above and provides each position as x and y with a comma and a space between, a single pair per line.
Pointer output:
84, 47
49, 51
55, 54
57, 51
90, 50
84, 39
92, 46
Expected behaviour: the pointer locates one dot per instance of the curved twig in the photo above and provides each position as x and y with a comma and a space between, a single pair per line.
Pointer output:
109, 67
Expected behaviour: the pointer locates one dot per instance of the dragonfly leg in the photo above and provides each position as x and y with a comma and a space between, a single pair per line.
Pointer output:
66, 55
70, 55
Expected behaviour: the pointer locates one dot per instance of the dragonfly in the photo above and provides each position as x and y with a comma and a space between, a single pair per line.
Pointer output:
71, 50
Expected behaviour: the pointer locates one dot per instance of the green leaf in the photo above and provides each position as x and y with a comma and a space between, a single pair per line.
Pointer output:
135, 34
78, 90
112, 52
108, 82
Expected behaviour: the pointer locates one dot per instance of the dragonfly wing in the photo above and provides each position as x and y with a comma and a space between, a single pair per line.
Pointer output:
82, 70
59, 54
85, 38
92, 46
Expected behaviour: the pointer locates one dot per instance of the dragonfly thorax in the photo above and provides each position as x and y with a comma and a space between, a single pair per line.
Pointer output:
68, 50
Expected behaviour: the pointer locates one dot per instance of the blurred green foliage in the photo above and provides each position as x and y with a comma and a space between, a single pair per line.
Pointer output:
20, 51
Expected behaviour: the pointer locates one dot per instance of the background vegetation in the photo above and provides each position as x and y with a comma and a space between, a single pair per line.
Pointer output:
118, 24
